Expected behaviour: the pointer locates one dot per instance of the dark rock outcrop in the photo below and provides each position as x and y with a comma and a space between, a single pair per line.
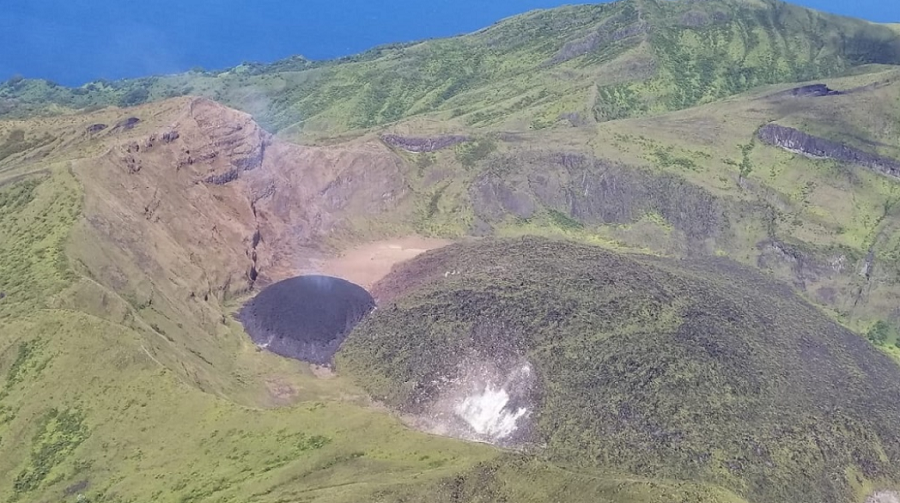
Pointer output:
421, 145
223, 178
810, 91
96, 128
126, 124
747, 369
169, 136
593, 191
694, 19
251, 160
574, 119
700, 19
805, 266
797, 141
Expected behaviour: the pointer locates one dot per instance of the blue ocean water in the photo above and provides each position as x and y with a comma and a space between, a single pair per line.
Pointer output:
74, 41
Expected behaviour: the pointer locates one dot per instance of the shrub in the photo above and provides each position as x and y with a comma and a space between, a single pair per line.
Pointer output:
879, 333
134, 97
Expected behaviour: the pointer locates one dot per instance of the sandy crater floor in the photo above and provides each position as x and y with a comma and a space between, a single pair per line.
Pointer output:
368, 263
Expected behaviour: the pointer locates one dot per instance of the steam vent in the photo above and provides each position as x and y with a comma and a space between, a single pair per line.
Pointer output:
307, 317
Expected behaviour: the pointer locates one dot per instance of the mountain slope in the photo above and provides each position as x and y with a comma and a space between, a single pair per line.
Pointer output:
119, 383
692, 370
174, 403
696, 182
130, 236
582, 63
124, 375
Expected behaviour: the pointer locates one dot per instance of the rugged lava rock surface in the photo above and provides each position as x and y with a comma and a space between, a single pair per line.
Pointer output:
306, 317
593, 191
685, 370
799, 142
810, 91
419, 145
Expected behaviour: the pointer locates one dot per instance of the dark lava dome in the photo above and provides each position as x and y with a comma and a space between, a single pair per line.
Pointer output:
687, 369
306, 317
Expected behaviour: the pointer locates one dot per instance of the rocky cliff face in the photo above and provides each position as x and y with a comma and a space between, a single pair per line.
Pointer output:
420, 145
810, 91
796, 141
592, 191
198, 203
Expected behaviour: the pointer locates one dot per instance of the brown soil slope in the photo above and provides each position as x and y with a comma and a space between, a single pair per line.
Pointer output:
220, 202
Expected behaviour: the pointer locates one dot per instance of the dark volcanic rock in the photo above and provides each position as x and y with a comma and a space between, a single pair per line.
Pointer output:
700, 19
420, 145
306, 317
76, 488
810, 91
574, 118
799, 142
806, 266
96, 128
251, 160
694, 19
170, 136
652, 366
224, 178
593, 191
126, 124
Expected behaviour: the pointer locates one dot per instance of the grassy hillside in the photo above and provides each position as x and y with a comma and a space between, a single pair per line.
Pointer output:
632, 125
577, 64
826, 219
119, 385
694, 182
109, 396
126, 428
686, 370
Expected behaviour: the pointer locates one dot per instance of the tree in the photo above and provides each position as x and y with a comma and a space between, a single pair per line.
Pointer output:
134, 97
879, 333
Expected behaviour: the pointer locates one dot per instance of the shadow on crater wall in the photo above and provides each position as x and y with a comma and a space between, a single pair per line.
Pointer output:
307, 317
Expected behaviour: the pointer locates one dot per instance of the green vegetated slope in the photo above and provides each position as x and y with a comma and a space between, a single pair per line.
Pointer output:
177, 405
87, 411
817, 223
111, 394
696, 182
580, 64
88, 414
693, 370
693, 182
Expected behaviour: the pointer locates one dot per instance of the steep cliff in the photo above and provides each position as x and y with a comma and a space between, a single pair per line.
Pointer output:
798, 142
